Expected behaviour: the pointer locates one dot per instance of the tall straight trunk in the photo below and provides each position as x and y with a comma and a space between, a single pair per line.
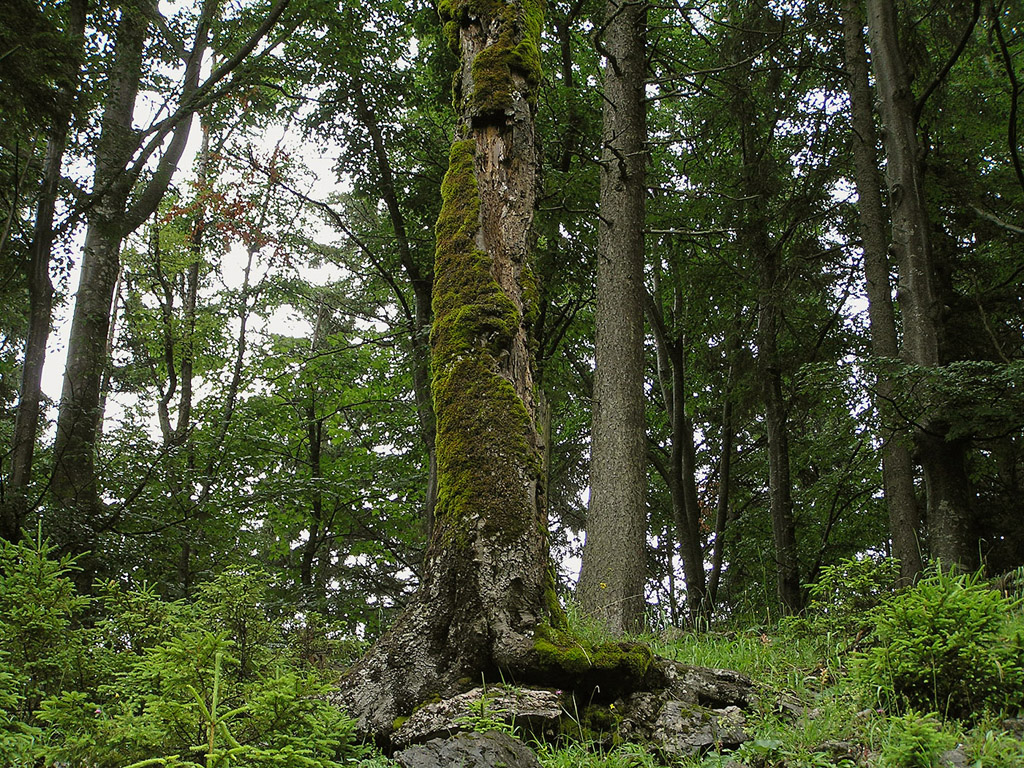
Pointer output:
611, 585
485, 581
897, 462
776, 427
679, 472
947, 485
770, 297
74, 479
40, 292
724, 476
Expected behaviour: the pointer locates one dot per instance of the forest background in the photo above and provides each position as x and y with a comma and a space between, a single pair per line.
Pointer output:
201, 443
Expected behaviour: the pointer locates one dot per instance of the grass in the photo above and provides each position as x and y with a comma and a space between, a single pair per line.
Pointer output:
813, 713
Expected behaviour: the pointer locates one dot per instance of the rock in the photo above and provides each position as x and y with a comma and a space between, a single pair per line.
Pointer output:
954, 758
706, 686
684, 711
680, 729
470, 750
840, 750
1014, 726
534, 710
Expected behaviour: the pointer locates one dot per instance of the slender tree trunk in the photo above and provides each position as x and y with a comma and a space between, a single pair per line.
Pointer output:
947, 484
422, 297
74, 479
724, 476
770, 290
486, 579
40, 292
897, 462
612, 578
679, 472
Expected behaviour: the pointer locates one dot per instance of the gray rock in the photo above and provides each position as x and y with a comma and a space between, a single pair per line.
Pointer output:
470, 750
706, 686
534, 710
1014, 726
680, 729
954, 758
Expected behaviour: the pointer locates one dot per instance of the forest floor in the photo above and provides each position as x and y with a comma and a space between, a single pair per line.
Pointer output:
820, 706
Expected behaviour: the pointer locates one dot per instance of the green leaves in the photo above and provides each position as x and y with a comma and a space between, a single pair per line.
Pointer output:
944, 646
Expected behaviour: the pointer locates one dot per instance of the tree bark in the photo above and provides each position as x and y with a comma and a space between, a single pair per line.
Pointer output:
611, 585
40, 291
897, 462
74, 479
679, 472
947, 484
486, 579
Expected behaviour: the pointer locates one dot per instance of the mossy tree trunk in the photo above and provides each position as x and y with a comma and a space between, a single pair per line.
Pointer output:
486, 582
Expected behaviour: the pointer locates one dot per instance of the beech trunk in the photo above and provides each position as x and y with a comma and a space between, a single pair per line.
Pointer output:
897, 462
947, 486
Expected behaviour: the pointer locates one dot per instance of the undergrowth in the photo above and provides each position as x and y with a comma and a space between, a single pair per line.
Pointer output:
867, 678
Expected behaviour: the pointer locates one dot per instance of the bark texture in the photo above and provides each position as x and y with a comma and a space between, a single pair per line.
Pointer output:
611, 585
758, 180
943, 461
680, 469
897, 462
74, 479
40, 295
486, 584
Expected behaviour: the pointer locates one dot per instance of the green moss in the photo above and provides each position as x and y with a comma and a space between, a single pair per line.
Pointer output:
471, 311
575, 663
515, 51
483, 428
398, 722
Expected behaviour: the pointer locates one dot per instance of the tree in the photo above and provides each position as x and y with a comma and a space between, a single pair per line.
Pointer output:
40, 287
942, 457
613, 575
897, 462
486, 578
122, 199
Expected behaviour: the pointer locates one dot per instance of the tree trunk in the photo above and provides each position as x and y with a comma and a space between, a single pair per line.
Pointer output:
679, 473
486, 580
946, 482
40, 291
897, 462
611, 585
768, 259
74, 478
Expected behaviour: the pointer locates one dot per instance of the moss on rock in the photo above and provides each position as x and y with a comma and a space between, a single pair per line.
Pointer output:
571, 662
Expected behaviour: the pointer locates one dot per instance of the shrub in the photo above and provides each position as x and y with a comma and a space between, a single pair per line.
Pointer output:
915, 741
945, 646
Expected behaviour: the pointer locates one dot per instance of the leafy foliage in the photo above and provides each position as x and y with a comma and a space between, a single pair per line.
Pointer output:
156, 683
945, 646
